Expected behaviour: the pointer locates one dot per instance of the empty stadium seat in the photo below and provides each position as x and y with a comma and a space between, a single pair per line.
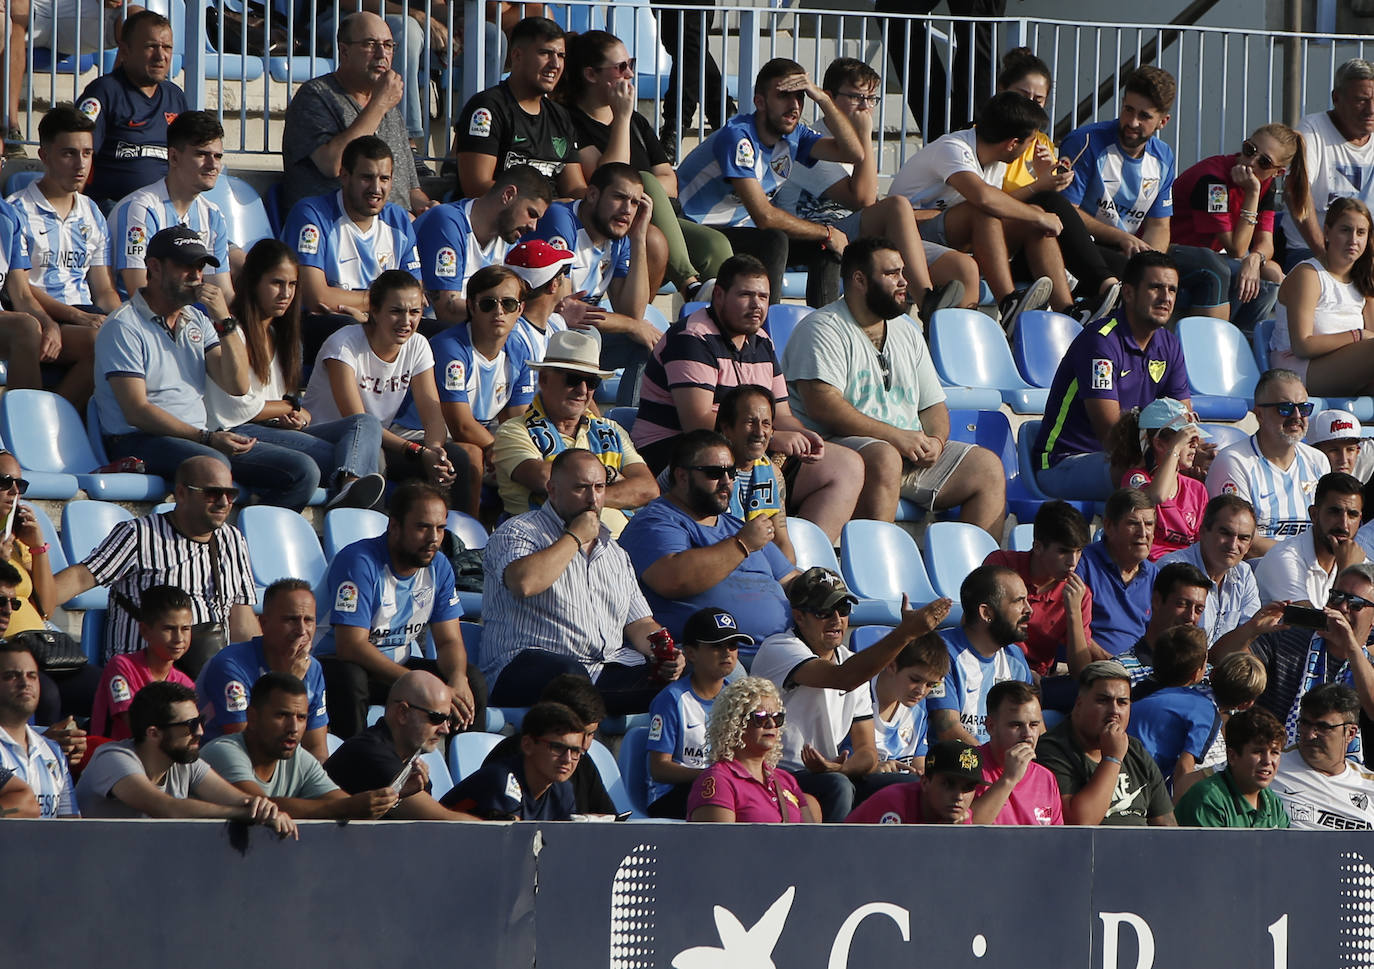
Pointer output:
84, 526
1361, 407
691, 307
281, 545
953, 550
991, 429
1259, 343
880, 562
1221, 368
969, 349
44, 431
93, 635
332, 742
1022, 537
244, 212
1041, 339
655, 316
344, 526
611, 779
299, 67
624, 416
782, 320
633, 761
1224, 435
466, 751
812, 545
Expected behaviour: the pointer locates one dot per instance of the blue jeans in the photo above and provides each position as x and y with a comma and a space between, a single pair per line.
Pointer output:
1081, 477
348, 446
276, 475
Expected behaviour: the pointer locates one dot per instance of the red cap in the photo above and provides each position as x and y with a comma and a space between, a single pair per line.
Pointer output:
536, 262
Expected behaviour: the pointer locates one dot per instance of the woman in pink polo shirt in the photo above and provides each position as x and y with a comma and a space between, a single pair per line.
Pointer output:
1153, 449
744, 734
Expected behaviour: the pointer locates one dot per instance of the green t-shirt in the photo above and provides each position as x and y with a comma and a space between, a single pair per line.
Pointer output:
300, 775
1216, 803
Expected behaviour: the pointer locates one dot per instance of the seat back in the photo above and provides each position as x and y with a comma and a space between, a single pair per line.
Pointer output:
862, 637
468, 529
466, 751
281, 545
440, 780
1224, 435
472, 641
44, 431
1259, 341
245, 214
610, 776
1041, 339
953, 550
879, 560
93, 433
1220, 364
344, 526
1025, 458
969, 349
624, 416
782, 320
1022, 536
57, 559
812, 545
633, 761
86, 523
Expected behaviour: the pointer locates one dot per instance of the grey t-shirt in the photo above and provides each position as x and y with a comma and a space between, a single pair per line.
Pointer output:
298, 776
115, 761
319, 111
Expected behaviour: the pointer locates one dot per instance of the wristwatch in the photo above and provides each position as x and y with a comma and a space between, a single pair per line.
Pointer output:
227, 325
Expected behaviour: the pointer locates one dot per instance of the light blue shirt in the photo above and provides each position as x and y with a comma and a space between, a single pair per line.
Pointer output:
593, 267
1231, 602
13, 251
464, 376
325, 238
677, 726
142, 214
43, 768
971, 675
735, 151
1119, 190
62, 251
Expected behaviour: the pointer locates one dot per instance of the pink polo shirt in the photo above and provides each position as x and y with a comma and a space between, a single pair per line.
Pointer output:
1036, 800
1178, 520
728, 784
124, 676
894, 804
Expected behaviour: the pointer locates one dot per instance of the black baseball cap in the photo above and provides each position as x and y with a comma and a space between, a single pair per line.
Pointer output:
182, 245
713, 627
957, 758
818, 590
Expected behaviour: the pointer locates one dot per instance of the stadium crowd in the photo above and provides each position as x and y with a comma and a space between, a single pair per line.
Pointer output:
1202, 660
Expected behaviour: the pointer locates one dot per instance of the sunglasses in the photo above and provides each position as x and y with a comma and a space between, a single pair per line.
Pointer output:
1338, 598
1287, 408
14, 604
624, 67
433, 716
191, 724
843, 608
230, 495
715, 471
561, 750
9, 482
765, 718
574, 379
885, 366
508, 304
1249, 149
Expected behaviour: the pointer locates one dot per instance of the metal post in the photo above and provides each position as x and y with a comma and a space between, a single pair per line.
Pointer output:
193, 29
1292, 63
750, 37
474, 48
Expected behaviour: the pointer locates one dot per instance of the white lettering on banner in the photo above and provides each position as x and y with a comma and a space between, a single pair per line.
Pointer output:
1279, 933
1111, 926
844, 939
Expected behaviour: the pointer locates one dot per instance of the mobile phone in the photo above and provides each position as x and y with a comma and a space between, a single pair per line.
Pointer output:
1304, 616
399, 781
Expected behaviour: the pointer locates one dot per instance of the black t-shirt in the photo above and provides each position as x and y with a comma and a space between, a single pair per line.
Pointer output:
1140, 792
493, 123
589, 793
646, 150
366, 762
497, 791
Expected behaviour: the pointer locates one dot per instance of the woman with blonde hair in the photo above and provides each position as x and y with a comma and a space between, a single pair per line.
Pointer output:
743, 783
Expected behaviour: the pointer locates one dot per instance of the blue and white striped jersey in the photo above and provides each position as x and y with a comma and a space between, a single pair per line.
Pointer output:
62, 251
1280, 497
43, 768
971, 675
735, 151
449, 250
142, 214
324, 237
677, 726
13, 252
593, 267
464, 376
1120, 190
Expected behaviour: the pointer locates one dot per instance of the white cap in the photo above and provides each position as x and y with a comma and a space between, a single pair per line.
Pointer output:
1334, 425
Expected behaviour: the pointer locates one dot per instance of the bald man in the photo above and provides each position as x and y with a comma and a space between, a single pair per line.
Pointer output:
191, 547
388, 752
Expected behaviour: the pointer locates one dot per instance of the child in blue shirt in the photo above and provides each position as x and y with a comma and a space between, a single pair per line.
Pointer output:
1173, 719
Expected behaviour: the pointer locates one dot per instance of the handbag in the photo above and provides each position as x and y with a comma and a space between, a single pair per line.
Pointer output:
55, 651
264, 38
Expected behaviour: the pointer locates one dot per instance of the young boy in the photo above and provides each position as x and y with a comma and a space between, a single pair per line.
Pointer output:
899, 709
1239, 796
165, 625
536, 784
1236, 683
677, 729
1175, 721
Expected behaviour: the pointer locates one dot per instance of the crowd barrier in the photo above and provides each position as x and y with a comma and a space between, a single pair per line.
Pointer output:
650, 896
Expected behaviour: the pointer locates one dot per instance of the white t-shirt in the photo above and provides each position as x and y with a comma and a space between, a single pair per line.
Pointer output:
1335, 169
382, 386
924, 177
821, 718
224, 410
1319, 802
1340, 309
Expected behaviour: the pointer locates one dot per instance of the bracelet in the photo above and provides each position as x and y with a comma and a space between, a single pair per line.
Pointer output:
39, 549
206, 436
415, 448
742, 547
1249, 216
1111, 760
573, 535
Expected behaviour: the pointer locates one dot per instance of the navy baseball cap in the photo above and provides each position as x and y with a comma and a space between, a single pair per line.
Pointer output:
182, 245
713, 627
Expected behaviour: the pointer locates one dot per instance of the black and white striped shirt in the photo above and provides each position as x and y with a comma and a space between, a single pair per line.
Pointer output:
149, 551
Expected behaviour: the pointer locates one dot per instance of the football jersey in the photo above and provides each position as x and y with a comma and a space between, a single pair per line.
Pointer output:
326, 238
449, 250
62, 250
1280, 498
593, 267
735, 151
904, 736
971, 675
1119, 190
1317, 801
140, 216
13, 250
226, 683
464, 376
130, 133
677, 726
43, 768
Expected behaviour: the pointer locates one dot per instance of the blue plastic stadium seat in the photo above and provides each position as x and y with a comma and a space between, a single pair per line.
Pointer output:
865, 636
44, 431
467, 528
1224, 435
344, 526
93, 635
880, 561
1022, 536
1221, 368
440, 780
954, 549
84, 526
1025, 442
611, 779
243, 208
299, 67
782, 320
466, 751
633, 761
42, 60
991, 429
281, 545
1259, 342
609, 389
812, 545
1040, 342
969, 349
655, 316
691, 307
272, 203
624, 416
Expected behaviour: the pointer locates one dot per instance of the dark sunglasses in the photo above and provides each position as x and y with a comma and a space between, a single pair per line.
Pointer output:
1249, 149
1287, 408
14, 604
624, 67
434, 716
9, 482
715, 471
1337, 598
573, 379
230, 495
192, 725
886, 367
508, 304
765, 718
843, 608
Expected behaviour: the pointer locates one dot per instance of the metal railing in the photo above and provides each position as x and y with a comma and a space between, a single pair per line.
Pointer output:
1229, 80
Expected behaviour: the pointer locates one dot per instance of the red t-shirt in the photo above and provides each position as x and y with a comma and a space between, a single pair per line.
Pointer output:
894, 804
1206, 203
1048, 629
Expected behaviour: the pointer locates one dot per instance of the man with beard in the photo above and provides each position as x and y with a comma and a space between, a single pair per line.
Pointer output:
386, 593
558, 419
516, 122
690, 552
267, 758
863, 378
728, 181
158, 772
983, 652
1274, 470
346, 239
153, 358
288, 633
1105, 775
551, 605
1319, 785
34, 759
828, 742
1301, 568
458, 238
606, 232
1112, 366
